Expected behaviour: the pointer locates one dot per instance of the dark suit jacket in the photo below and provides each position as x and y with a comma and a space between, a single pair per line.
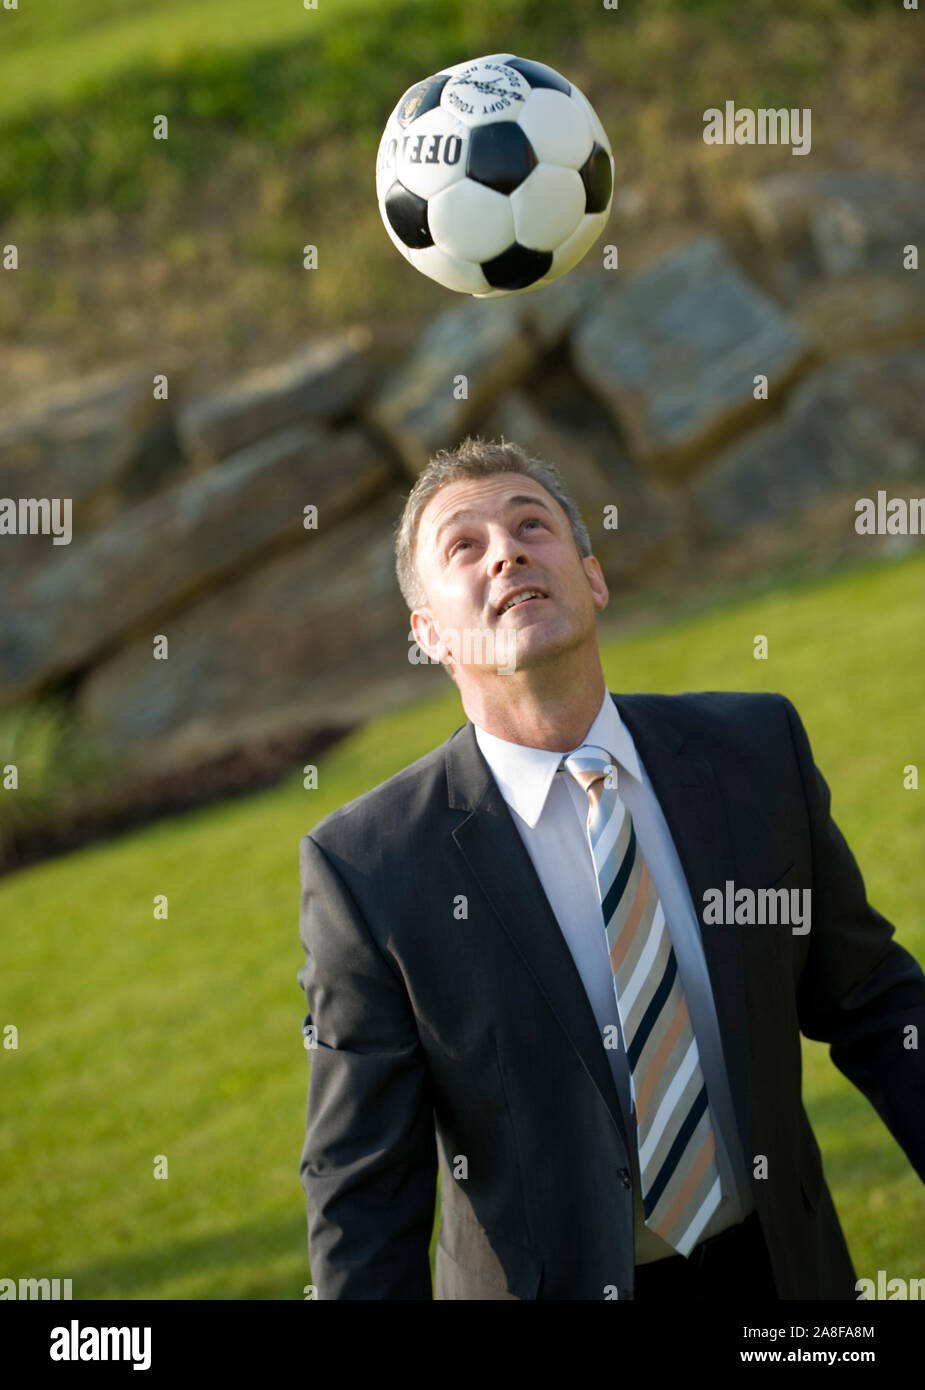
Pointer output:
462, 1035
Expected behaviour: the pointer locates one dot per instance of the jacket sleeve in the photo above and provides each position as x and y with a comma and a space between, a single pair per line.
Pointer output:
860, 990
369, 1162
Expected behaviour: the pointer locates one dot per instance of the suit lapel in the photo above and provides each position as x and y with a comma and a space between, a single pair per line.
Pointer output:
685, 784
492, 848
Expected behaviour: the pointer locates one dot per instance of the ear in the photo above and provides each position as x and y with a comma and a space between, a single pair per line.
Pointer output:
596, 581
427, 635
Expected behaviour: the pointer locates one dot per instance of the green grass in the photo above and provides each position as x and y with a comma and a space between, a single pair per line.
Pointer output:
49, 60
140, 1037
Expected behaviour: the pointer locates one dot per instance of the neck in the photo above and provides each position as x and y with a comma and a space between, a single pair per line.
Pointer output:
525, 708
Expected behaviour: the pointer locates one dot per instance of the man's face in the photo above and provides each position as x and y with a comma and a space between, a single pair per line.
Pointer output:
478, 542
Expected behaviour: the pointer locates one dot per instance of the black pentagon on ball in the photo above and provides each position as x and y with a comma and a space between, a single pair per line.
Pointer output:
539, 75
516, 268
597, 177
407, 214
423, 96
500, 156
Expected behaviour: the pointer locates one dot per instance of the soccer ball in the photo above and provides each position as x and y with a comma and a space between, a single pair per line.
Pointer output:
494, 176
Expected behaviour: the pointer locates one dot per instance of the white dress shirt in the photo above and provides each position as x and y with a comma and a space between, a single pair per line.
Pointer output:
550, 811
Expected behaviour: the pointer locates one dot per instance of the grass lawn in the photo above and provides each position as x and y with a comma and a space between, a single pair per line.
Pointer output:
141, 1037
51, 57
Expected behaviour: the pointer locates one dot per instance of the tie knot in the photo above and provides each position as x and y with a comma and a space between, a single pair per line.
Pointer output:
590, 764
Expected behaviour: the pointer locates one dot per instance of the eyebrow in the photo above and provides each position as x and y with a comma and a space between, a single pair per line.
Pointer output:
467, 515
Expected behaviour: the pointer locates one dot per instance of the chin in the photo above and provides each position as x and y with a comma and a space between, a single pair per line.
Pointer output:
537, 649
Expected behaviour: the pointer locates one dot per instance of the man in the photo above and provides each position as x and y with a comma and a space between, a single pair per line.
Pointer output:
512, 976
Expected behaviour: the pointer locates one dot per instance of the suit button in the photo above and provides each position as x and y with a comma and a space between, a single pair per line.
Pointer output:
624, 1175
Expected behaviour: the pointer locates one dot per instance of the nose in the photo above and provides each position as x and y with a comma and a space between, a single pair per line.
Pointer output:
505, 548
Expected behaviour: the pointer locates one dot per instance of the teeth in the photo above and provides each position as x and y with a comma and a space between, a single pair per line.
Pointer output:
530, 593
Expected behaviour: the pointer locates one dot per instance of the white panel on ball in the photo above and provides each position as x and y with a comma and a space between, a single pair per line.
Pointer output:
484, 91
557, 127
548, 206
431, 154
600, 133
464, 276
578, 244
471, 221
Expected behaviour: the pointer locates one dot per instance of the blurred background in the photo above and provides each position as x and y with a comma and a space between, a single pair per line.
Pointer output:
125, 777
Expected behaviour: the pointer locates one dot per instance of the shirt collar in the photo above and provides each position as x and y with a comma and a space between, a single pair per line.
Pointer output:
524, 775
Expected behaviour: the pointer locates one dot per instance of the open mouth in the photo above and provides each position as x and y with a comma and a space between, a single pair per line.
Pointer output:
521, 600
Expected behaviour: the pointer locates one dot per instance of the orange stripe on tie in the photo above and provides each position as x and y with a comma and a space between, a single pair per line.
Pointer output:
698, 1168
628, 930
643, 1095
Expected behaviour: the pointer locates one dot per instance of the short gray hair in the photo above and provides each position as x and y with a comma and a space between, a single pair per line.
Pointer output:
473, 458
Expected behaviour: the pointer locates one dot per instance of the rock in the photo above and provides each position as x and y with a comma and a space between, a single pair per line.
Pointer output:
867, 312
90, 594
848, 222
324, 382
597, 473
315, 638
104, 442
421, 408
674, 355
857, 419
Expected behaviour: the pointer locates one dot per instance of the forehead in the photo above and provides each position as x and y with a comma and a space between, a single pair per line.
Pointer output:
486, 496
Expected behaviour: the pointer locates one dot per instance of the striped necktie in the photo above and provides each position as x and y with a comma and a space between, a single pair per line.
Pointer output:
677, 1146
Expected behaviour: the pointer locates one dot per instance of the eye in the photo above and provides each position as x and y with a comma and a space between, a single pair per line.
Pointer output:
453, 547
527, 521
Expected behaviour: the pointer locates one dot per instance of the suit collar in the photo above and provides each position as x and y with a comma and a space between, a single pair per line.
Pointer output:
469, 774
526, 774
